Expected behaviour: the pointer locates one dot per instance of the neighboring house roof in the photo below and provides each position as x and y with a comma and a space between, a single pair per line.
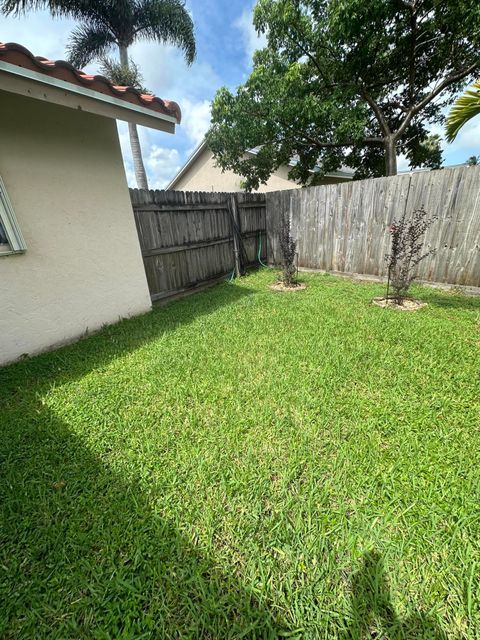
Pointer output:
19, 69
191, 160
343, 172
424, 169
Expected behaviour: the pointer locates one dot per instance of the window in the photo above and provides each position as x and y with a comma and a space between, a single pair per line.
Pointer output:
11, 238
3, 235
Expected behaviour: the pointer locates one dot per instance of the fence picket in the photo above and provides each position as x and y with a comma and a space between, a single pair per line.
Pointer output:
186, 237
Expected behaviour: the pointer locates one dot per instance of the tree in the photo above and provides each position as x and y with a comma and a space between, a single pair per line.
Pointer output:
345, 82
465, 108
288, 249
107, 24
473, 161
406, 251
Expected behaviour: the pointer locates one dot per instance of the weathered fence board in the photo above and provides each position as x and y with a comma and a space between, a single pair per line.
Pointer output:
187, 237
345, 227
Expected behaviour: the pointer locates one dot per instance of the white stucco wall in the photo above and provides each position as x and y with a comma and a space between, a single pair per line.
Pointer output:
83, 267
204, 175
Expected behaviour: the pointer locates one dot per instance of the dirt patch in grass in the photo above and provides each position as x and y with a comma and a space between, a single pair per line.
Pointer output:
407, 304
279, 286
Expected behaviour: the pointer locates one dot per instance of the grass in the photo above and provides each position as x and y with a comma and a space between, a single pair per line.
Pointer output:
248, 464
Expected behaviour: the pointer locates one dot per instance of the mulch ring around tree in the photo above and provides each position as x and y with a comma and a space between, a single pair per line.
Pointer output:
279, 286
407, 304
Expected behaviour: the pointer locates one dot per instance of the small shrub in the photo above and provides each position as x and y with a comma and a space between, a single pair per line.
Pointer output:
118, 74
288, 248
406, 251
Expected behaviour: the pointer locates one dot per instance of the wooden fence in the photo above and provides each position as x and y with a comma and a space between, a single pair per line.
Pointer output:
189, 239
345, 227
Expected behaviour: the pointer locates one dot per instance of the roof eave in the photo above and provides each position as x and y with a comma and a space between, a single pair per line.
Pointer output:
339, 174
40, 86
345, 175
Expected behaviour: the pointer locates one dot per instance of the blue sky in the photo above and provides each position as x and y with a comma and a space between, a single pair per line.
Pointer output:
225, 42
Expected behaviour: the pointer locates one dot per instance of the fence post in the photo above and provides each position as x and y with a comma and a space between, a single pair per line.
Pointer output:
236, 235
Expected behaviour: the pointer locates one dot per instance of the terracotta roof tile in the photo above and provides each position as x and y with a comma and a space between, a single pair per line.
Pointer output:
16, 54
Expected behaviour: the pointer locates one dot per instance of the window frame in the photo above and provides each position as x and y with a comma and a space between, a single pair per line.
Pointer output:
8, 220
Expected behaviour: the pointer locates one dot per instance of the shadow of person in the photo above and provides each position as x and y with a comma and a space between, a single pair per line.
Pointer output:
372, 614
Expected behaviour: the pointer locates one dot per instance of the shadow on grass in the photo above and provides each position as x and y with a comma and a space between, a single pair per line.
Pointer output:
84, 552
448, 299
372, 613
451, 300
76, 360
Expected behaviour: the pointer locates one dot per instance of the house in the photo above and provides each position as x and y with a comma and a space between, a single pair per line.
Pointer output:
200, 173
70, 260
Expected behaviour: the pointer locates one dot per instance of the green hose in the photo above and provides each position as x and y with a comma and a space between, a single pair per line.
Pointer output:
259, 259
259, 255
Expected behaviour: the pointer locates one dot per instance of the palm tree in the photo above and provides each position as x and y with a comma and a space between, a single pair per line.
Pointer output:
464, 109
105, 24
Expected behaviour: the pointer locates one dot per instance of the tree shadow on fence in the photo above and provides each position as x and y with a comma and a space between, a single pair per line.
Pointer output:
373, 615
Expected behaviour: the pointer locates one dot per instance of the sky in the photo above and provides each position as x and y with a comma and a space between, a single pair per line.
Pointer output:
226, 41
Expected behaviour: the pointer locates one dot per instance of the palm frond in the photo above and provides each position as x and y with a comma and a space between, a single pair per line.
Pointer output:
16, 7
114, 12
166, 21
123, 75
87, 43
56, 7
465, 108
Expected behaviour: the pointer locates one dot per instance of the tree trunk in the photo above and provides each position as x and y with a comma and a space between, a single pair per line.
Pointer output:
140, 173
139, 167
390, 156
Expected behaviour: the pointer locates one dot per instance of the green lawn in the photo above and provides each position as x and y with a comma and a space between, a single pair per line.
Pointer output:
248, 464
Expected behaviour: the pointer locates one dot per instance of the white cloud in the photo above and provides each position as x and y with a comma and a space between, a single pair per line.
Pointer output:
166, 73
161, 164
251, 40
437, 130
168, 76
38, 32
469, 135
402, 163
196, 119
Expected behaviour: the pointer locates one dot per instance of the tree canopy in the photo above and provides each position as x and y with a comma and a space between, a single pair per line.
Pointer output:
346, 82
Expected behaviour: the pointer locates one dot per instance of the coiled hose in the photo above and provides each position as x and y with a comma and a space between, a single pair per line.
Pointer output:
231, 278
